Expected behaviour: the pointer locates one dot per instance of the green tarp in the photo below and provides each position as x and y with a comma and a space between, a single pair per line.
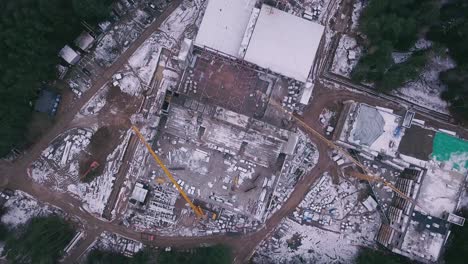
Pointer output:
445, 146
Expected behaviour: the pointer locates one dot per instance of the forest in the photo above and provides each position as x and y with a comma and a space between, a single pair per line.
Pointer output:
395, 26
41, 240
204, 255
392, 26
452, 31
31, 34
371, 256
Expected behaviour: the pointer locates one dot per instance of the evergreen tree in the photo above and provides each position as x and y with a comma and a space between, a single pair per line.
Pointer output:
31, 34
40, 241
452, 31
92, 10
371, 256
392, 26
457, 248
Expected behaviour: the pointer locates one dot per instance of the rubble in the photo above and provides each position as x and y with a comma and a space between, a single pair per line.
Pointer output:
117, 244
62, 156
328, 225
295, 167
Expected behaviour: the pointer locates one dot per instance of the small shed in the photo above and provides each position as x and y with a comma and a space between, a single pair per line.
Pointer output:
289, 147
69, 55
84, 41
370, 204
47, 102
307, 93
139, 193
185, 52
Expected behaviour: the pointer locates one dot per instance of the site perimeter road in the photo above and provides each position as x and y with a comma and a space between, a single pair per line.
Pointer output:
242, 245
62, 121
15, 177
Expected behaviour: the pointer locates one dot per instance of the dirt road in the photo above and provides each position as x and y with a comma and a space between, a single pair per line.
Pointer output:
242, 246
14, 175
63, 121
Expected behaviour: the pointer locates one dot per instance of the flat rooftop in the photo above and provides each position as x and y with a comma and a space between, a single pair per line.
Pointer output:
224, 24
284, 43
440, 190
422, 242
452, 151
268, 37
417, 142
376, 129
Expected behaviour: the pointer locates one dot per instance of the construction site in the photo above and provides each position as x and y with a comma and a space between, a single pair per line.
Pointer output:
208, 133
213, 140
419, 171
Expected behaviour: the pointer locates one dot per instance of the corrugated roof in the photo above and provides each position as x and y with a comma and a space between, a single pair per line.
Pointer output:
69, 55
84, 40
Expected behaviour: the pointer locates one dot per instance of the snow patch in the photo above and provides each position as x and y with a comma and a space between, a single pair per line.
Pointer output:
96, 103
426, 90
357, 11
328, 226
130, 84
96, 193
144, 61
21, 207
346, 57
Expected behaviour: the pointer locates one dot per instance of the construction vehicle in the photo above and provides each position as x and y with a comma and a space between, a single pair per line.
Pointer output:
94, 165
160, 180
198, 211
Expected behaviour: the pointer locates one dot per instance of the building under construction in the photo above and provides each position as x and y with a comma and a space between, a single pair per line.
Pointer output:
403, 152
258, 40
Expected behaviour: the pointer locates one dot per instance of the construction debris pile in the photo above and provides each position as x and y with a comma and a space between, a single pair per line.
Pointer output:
418, 176
58, 168
110, 41
61, 155
295, 167
117, 244
329, 217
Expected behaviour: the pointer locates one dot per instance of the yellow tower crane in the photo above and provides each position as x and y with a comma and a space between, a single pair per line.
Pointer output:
368, 174
198, 211
368, 178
